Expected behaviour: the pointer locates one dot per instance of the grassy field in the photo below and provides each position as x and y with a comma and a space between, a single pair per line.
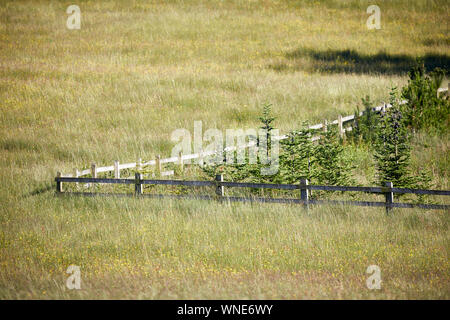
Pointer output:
136, 71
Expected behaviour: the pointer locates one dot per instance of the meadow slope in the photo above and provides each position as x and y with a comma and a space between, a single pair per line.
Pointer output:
136, 71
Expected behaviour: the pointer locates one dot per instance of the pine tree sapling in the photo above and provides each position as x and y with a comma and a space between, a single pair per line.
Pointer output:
267, 125
249, 172
392, 148
297, 156
332, 167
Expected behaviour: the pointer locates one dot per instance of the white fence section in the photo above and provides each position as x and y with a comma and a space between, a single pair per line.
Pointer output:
94, 170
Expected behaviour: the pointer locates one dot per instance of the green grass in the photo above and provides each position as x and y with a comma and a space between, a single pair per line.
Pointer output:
136, 71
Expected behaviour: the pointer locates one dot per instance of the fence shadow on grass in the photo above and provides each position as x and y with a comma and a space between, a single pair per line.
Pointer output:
351, 61
38, 191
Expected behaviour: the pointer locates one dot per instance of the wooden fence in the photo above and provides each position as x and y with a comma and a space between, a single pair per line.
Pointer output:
180, 159
219, 185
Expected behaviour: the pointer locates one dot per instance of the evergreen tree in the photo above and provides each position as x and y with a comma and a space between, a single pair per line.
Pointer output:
297, 156
332, 167
425, 108
246, 171
267, 119
267, 124
392, 149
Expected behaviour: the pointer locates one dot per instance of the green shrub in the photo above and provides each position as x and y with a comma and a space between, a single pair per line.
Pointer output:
425, 108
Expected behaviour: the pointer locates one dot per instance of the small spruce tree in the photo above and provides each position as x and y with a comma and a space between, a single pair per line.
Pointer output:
246, 171
297, 156
332, 167
392, 148
267, 124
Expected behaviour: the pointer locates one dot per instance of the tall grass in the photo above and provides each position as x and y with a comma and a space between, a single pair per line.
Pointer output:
194, 249
134, 72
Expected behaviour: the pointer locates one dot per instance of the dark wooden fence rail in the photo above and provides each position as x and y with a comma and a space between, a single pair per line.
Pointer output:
304, 188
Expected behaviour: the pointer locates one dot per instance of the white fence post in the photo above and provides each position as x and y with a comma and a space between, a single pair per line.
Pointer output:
201, 160
76, 174
116, 169
340, 127
180, 161
158, 165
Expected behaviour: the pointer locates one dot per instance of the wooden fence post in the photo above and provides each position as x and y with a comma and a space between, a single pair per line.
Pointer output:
304, 194
201, 160
59, 188
116, 169
340, 127
219, 189
138, 185
94, 170
389, 197
325, 125
76, 174
180, 161
158, 165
